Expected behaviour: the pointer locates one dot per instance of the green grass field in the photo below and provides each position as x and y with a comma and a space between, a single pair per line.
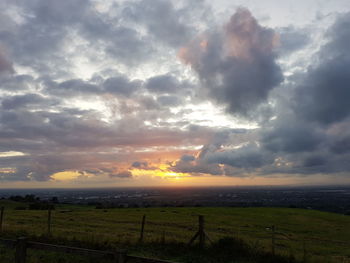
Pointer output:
324, 236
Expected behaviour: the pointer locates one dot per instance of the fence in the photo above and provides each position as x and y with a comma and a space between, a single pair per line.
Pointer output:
272, 236
201, 234
119, 256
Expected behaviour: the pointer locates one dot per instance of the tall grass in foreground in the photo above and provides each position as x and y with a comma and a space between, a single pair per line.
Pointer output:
225, 250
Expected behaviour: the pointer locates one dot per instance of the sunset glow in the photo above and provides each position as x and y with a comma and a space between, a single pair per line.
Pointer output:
96, 94
161, 172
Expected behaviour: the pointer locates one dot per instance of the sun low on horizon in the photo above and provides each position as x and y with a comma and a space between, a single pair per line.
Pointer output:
174, 93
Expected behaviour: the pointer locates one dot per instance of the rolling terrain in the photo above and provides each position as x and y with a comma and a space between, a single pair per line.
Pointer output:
317, 236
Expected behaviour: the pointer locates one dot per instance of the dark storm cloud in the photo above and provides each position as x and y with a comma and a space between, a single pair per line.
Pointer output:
237, 65
341, 145
248, 156
289, 134
323, 95
309, 134
316, 160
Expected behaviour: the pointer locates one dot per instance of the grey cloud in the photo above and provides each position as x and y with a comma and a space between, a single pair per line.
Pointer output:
51, 12
187, 158
39, 167
45, 27
72, 129
26, 100
163, 84
121, 85
237, 66
191, 164
323, 95
209, 160
123, 174
341, 145
114, 39
140, 165
169, 26
17, 82
292, 39
309, 134
128, 46
248, 156
5, 64
149, 103
118, 85
220, 138
289, 134
338, 137
316, 160
169, 101
77, 86
196, 168
40, 42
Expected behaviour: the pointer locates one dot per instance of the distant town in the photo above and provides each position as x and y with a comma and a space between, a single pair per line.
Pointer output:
331, 199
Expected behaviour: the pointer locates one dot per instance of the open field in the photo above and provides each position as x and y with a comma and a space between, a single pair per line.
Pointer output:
326, 235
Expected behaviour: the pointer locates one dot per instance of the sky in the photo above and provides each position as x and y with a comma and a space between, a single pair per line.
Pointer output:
174, 93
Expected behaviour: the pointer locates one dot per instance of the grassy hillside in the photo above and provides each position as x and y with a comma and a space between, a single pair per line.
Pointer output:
324, 236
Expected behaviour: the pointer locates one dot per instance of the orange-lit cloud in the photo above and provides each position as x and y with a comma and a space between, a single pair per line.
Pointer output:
68, 175
244, 36
162, 171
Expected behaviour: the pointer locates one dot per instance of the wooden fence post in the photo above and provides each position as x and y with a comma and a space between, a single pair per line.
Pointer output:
304, 251
142, 227
1, 217
201, 231
162, 241
21, 250
121, 256
49, 221
273, 240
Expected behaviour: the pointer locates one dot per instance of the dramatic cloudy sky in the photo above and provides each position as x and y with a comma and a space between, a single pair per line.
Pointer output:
158, 92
